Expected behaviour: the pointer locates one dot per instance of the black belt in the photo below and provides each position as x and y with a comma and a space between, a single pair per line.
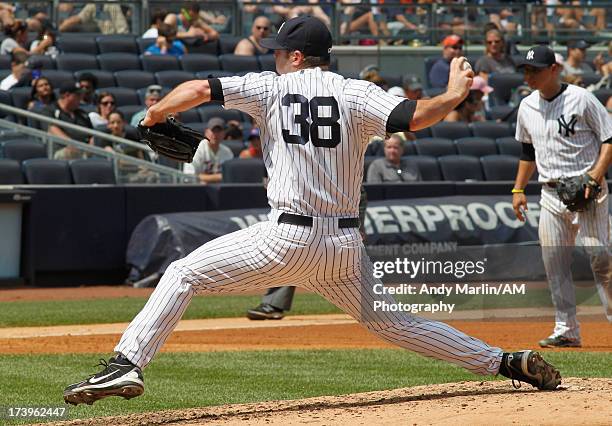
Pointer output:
294, 219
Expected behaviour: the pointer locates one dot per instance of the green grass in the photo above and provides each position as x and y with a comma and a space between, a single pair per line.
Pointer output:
185, 380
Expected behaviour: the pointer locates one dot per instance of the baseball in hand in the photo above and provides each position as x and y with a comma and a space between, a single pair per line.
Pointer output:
466, 66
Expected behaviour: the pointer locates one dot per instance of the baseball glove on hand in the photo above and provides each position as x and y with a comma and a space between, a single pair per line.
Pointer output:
572, 190
171, 139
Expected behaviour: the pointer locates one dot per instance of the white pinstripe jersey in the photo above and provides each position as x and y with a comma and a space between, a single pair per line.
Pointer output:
566, 132
315, 126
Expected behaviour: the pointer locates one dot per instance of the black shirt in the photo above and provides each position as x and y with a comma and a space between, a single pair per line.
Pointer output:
78, 118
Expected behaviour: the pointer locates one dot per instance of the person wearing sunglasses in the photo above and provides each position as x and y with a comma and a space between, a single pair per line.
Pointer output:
495, 59
452, 47
105, 105
250, 46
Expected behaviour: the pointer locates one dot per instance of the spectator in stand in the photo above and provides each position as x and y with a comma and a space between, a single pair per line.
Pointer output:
211, 153
42, 94
117, 126
166, 43
312, 8
18, 70
573, 18
472, 108
575, 63
67, 109
234, 130
393, 168
106, 103
603, 65
188, 23
413, 87
152, 96
16, 38
254, 148
108, 18
452, 47
88, 83
360, 16
250, 46
495, 59
45, 43
157, 18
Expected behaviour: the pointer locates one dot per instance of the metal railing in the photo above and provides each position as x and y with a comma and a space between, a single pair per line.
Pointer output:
120, 161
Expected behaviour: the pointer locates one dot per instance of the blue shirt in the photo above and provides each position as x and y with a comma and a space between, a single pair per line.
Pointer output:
177, 49
438, 75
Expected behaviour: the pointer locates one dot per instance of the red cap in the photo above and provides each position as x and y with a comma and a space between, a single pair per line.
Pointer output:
452, 40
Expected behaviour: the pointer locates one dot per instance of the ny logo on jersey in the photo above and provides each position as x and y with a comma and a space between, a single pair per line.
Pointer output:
530, 55
567, 127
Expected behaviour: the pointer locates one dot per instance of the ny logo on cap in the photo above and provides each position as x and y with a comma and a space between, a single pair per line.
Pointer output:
530, 55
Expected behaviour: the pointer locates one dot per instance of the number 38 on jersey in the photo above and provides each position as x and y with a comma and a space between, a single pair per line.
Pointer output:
313, 121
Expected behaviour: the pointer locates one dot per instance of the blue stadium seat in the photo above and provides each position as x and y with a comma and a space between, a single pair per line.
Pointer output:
144, 43
236, 145
129, 110
76, 61
227, 44
476, 147
118, 62
267, 63
195, 45
460, 168
238, 63
134, 79
195, 62
5, 98
423, 133
77, 44
589, 78
20, 96
505, 113
198, 126
58, 77
105, 78
117, 44
375, 149
23, 149
172, 78
499, 167
208, 111
213, 74
46, 62
10, 172
428, 166
435, 147
156, 63
603, 95
503, 85
92, 171
409, 148
123, 95
44, 171
367, 161
491, 129
451, 130
243, 170
508, 146
190, 116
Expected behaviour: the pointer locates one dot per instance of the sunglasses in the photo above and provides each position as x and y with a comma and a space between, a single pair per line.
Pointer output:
107, 103
456, 47
262, 28
494, 42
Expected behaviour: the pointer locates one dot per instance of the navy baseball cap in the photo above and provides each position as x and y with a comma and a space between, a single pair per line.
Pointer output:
540, 56
304, 33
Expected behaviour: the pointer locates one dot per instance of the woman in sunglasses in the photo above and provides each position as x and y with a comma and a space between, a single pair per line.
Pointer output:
105, 105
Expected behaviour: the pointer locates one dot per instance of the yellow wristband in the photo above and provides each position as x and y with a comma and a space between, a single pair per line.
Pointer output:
517, 191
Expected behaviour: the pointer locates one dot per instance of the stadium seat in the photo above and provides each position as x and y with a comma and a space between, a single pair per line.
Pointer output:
172, 78
209, 111
44, 171
499, 167
134, 79
238, 63
129, 110
505, 113
367, 160
194, 62
57, 77
491, 129
435, 147
21, 96
235, 145
429, 62
76, 61
195, 45
156, 63
423, 133
92, 171
267, 63
392, 79
45, 61
105, 78
243, 170
451, 130
189, 116
428, 166
123, 95
460, 168
117, 44
503, 85
23, 149
144, 43
10, 172
508, 146
198, 126
589, 78
603, 95
375, 149
5, 62
409, 148
227, 44
5, 98
77, 44
213, 74
143, 91
118, 62
476, 147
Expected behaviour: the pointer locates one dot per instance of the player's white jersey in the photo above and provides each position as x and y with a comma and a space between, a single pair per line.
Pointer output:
566, 132
315, 126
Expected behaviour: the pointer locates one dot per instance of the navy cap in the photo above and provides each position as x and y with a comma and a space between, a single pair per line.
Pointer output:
577, 44
68, 87
304, 33
538, 56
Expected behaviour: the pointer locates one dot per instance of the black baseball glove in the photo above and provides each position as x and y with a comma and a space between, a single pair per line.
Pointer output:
171, 139
572, 190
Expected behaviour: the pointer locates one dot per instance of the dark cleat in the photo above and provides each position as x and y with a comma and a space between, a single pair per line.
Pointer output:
530, 367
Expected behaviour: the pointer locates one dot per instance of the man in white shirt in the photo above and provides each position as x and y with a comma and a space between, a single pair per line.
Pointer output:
211, 153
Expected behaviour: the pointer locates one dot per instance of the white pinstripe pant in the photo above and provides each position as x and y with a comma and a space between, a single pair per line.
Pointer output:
558, 229
323, 258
